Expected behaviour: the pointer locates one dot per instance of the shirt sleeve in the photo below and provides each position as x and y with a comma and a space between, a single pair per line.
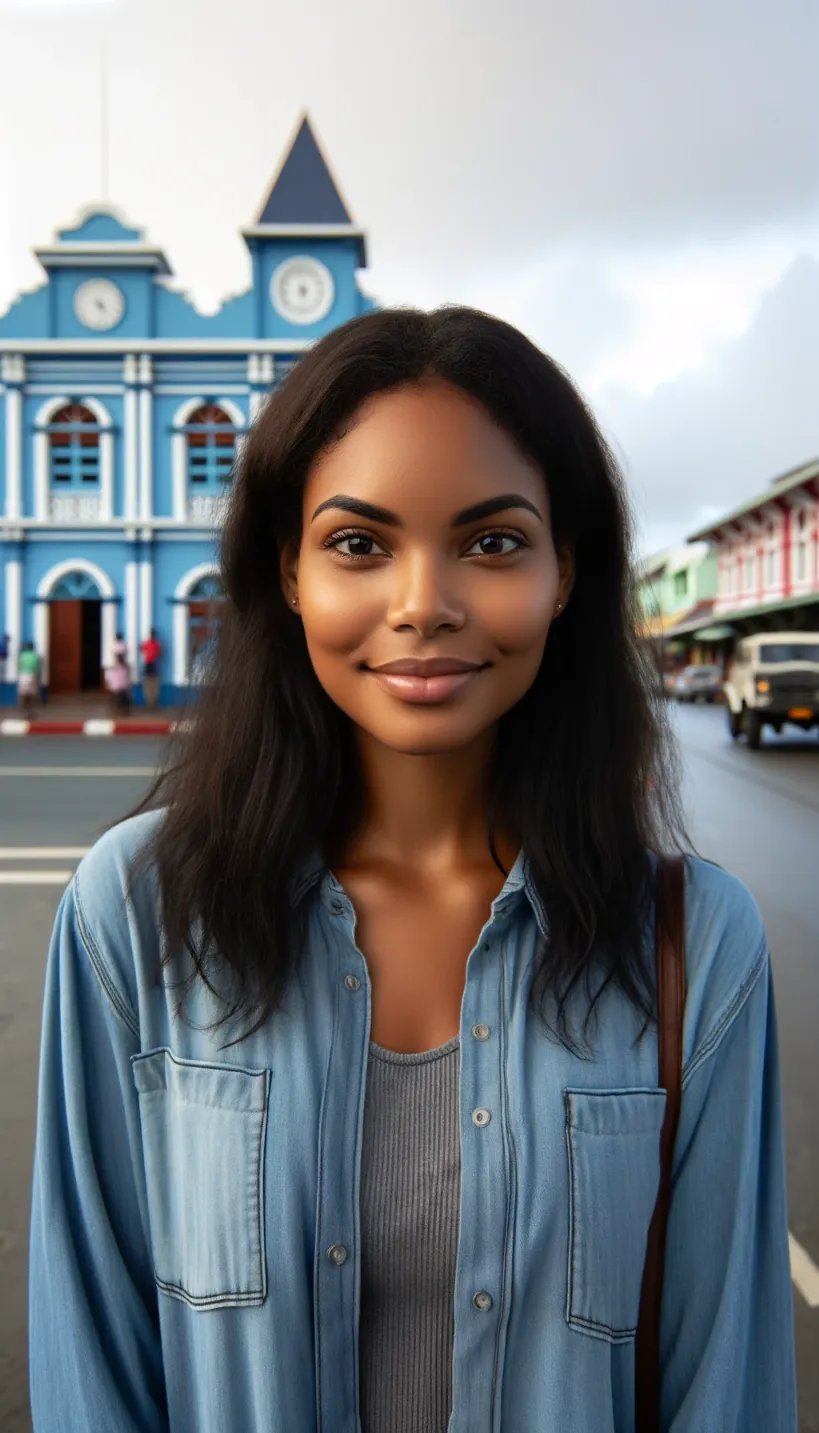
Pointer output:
95, 1355
727, 1343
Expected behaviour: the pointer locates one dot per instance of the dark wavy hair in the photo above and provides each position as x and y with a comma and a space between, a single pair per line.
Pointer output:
585, 775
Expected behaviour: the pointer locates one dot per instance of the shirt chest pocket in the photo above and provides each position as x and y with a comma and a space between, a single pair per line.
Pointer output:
203, 1134
613, 1139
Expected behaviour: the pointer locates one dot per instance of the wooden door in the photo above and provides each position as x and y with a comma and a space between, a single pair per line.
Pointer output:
65, 647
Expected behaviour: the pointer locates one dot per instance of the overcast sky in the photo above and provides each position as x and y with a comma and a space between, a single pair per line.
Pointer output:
635, 183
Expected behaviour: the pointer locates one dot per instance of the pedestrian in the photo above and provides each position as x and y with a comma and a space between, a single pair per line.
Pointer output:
119, 686
151, 651
120, 647
389, 1160
28, 678
4, 656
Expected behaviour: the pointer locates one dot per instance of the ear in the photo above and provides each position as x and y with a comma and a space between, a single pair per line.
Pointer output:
289, 571
566, 569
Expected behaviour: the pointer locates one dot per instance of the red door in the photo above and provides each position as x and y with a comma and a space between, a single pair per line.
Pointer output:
65, 647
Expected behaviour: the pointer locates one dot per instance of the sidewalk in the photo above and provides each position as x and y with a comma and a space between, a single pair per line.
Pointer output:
91, 716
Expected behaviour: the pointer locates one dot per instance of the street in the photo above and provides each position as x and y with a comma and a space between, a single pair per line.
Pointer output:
755, 813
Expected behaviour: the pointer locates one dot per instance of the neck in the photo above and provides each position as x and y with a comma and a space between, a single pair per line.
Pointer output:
426, 813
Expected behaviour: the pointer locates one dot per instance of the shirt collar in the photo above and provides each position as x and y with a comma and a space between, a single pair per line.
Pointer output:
518, 884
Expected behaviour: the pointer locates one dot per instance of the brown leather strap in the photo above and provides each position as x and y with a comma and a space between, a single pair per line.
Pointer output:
670, 946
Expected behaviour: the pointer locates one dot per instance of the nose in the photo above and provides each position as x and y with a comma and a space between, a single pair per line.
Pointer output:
422, 598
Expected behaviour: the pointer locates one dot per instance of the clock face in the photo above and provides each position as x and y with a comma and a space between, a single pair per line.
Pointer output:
302, 290
99, 304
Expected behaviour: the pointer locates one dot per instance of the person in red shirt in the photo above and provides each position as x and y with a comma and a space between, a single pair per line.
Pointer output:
151, 651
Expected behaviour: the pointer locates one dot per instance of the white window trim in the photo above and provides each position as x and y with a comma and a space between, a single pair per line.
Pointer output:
44, 415
47, 584
179, 446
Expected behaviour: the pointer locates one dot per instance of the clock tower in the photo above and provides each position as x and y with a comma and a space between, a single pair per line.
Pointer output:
101, 279
305, 248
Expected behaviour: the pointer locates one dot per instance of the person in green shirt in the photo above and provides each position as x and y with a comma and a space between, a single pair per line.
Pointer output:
28, 678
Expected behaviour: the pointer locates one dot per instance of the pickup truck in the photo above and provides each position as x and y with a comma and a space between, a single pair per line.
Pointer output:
774, 679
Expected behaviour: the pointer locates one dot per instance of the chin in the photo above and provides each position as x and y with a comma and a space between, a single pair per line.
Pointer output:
425, 743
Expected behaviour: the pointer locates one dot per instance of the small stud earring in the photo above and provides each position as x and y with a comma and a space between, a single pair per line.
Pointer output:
558, 608
295, 601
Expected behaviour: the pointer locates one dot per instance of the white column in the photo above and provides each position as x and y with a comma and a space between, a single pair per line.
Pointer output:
108, 634
180, 644
146, 598
42, 637
13, 372
132, 614
146, 497
130, 436
14, 615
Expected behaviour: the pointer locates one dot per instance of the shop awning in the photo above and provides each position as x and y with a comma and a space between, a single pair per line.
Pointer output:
714, 634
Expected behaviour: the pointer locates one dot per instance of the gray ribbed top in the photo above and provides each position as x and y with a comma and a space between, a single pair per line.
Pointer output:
410, 1214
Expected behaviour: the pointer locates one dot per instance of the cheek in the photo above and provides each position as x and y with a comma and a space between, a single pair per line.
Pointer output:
336, 611
516, 613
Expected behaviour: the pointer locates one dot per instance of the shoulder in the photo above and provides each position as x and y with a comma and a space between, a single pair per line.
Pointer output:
116, 906
726, 953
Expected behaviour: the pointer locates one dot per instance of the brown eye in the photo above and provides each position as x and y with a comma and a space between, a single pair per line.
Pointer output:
352, 545
495, 544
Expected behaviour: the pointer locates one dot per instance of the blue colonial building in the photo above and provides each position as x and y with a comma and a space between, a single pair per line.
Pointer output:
121, 409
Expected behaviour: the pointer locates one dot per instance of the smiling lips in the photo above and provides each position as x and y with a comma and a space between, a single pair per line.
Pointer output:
429, 681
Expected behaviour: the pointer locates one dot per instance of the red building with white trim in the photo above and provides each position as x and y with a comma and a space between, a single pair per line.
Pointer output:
768, 557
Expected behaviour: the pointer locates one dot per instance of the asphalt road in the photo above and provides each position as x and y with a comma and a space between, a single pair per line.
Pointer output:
755, 813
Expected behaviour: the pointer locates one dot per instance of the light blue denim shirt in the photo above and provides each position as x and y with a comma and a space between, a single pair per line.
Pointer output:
195, 1254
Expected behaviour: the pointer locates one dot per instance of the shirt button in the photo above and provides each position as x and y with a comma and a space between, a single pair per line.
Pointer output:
352, 982
481, 1118
483, 1301
337, 1254
481, 1032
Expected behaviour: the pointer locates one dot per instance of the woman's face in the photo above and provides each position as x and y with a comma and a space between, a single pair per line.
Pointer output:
426, 578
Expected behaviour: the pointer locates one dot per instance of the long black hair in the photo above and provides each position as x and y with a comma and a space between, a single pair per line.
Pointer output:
585, 772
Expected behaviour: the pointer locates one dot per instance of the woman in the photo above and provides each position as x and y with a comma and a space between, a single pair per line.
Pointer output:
28, 678
119, 685
382, 1144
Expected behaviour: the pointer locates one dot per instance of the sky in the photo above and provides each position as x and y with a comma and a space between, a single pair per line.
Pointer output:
634, 183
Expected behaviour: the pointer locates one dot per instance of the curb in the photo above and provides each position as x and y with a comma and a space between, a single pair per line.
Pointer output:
98, 726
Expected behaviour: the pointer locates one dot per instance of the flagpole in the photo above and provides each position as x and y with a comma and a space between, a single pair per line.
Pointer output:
104, 108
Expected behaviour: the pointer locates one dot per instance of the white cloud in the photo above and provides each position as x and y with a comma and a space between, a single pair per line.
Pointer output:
701, 444
623, 181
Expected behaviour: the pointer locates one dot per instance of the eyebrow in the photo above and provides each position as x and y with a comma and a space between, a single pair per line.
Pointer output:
503, 503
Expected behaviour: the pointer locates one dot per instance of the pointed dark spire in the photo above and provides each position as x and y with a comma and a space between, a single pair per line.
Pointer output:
304, 191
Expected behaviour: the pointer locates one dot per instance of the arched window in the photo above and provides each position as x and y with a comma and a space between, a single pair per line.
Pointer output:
74, 587
74, 450
211, 442
204, 602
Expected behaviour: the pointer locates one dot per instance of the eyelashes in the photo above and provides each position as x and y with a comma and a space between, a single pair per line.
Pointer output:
350, 535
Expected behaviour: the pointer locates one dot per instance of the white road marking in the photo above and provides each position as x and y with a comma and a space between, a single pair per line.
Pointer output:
77, 771
43, 853
35, 878
804, 1273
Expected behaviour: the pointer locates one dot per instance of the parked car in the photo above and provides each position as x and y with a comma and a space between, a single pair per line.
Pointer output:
698, 684
774, 679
